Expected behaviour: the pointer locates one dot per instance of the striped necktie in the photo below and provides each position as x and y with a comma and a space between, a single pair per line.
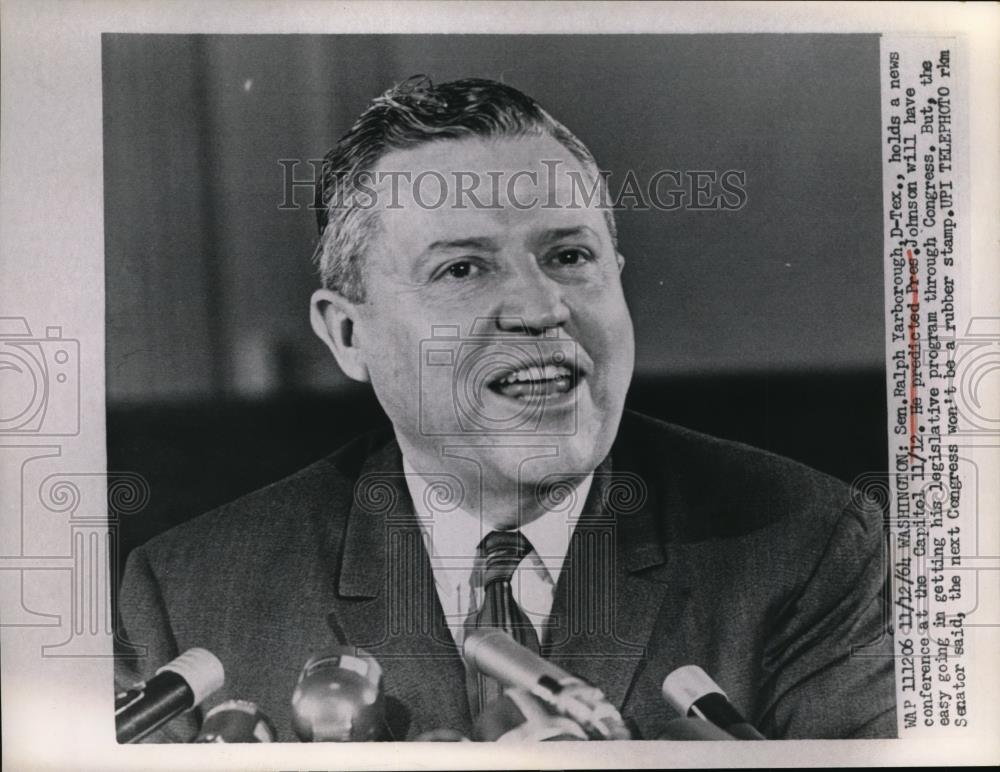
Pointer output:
500, 554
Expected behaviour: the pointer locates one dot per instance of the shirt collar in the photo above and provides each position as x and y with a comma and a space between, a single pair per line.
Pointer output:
550, 533
456, 533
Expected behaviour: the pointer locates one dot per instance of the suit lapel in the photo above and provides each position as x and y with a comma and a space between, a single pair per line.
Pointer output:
605, 608
387, 602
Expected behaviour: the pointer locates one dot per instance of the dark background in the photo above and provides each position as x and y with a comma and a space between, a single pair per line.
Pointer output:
762, 325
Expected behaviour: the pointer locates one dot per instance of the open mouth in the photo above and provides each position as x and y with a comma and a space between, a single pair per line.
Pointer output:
536, 381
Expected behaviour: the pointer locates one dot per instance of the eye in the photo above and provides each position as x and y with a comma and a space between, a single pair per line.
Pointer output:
461, 269
571, 256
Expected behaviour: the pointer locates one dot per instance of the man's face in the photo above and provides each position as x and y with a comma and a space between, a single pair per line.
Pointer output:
500, 328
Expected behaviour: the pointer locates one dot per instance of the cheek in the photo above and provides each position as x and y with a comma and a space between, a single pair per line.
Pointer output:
608, 339
392, 353
609, 326
625, 339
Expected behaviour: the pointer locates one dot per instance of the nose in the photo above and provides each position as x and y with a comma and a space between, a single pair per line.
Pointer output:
533, 302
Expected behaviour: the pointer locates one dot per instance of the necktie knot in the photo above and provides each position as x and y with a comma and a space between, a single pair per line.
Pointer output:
502, 552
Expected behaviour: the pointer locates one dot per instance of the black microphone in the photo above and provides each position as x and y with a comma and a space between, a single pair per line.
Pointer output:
519, 717
339, 698
692, 692
178, 686
692, 729
494, 653
236, 721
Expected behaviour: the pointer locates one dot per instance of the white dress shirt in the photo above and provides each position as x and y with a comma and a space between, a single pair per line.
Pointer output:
452, 536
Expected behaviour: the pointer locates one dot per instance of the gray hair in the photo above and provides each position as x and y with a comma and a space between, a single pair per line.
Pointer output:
410, 114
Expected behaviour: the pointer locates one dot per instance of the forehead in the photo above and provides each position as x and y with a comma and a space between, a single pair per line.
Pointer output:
480, 186
481, 154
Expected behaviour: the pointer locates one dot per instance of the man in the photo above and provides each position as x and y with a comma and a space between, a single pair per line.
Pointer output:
472, 277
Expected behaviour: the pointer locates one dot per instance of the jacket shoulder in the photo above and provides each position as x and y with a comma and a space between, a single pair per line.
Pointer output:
729, 487
273, 522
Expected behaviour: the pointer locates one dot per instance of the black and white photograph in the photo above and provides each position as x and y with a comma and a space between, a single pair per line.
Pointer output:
659, 355
515, 386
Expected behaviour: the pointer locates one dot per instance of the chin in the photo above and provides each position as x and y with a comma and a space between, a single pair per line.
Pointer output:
542, 459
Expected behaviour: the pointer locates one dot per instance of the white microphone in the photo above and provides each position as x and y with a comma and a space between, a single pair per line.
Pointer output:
494, 653
178, 686
691, 692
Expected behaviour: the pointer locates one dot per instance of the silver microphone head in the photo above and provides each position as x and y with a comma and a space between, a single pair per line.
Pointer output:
339, 698
236, 721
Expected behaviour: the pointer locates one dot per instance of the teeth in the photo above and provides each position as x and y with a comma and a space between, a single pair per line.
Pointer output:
546, 373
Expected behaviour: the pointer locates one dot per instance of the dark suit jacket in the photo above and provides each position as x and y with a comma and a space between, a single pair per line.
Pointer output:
691, 550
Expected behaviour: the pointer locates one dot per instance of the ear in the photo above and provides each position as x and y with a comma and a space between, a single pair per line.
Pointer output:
333, 319
621, 261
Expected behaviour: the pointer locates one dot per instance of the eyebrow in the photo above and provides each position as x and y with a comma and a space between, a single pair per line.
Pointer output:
487, 243
471, 243
564, 233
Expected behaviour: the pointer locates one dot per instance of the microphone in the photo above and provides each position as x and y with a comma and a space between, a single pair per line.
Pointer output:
236, 721
338, 698
692, 729
519, 717
178, 686
692, 692
494, 653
